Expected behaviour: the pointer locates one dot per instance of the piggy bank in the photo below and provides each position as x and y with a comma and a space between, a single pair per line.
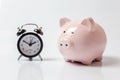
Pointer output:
82, 42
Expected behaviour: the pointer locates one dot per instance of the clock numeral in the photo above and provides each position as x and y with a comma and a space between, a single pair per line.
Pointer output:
30, 37
21, 44
38, 45
23, 49
37, 48
26, 51
37, 41
29, 52
33, 37
26, 37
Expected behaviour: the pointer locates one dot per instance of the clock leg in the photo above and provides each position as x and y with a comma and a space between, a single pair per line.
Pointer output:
40, 58
19, 57
30, 59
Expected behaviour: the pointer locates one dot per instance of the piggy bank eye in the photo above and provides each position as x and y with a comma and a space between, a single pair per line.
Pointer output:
72, 32
64, 31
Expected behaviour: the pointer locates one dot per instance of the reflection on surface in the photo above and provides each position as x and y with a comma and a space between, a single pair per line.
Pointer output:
111, 68
76, 71
30, 71
0, 4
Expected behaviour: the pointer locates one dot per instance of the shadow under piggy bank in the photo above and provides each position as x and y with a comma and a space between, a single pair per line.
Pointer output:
81, 72
110, 61
30, 71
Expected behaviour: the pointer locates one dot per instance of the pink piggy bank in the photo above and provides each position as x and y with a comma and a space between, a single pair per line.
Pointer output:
83, 42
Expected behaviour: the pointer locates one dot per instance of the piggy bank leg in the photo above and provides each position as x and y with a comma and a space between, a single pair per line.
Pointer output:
72, 61
99, 58
87, 62
67, 60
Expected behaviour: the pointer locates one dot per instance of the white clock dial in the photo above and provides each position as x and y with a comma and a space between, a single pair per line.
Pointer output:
30, 45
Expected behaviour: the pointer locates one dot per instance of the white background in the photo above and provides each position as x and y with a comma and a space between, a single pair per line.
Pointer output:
47, 13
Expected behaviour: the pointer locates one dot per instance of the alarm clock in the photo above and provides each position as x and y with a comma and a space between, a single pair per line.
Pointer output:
30, 44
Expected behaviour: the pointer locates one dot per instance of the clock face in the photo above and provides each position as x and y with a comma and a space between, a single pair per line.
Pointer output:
30, 44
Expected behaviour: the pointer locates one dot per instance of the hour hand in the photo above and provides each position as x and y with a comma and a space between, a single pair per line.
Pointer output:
25, 42
33, 43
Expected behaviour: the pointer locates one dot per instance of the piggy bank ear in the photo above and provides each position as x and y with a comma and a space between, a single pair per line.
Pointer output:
89, 22
63, 21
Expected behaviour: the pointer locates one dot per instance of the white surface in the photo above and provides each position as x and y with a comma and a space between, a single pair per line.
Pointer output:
47, 13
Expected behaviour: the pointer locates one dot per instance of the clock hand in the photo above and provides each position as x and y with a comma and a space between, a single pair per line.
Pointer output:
33, 43
25, 42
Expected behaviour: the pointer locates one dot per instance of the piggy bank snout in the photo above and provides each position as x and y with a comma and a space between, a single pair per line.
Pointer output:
65, 43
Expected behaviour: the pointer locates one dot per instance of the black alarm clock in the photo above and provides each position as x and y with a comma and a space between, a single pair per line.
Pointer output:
30, 44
